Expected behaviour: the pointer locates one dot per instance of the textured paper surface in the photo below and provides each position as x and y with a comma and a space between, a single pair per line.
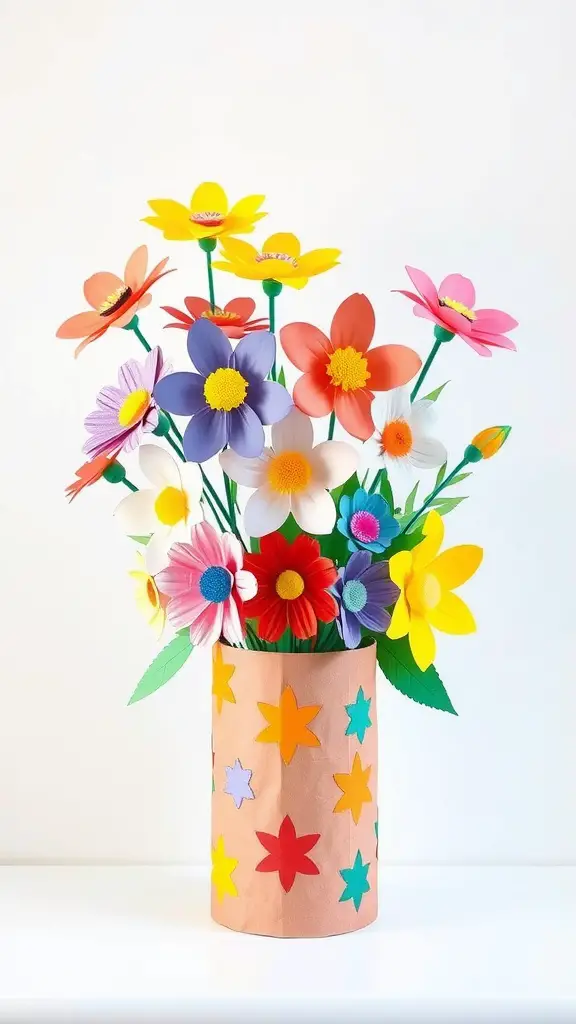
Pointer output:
304, 789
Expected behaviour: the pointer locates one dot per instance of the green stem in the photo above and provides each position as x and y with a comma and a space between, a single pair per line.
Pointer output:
210, 280
434, 493
221, 526
231, 509
425, 368
175, 430
176, 447
128, 483
272, 319
375, 482
331, 425
134, 327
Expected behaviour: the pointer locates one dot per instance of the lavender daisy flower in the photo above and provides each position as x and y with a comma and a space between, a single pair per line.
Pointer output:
364, 592
228, 399
127, 412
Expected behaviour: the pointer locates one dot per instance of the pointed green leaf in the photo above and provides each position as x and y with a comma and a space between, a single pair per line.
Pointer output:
440, 475
446, 505
282, 377
398, 665
165, 665
433, 395
409, 508
459, 478
386, 489
140, 540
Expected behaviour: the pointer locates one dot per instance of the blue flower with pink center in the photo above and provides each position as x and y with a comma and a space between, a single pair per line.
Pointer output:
367, 521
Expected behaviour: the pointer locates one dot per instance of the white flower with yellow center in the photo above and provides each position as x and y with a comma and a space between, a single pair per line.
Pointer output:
402, 436
292, 476
150, 602
167, 509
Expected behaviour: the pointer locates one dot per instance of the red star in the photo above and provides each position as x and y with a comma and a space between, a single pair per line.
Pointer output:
287, 853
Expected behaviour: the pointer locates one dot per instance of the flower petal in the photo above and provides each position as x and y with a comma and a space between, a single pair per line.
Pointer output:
136, 266
301, 618
265, 512
208, 347
293, 433
209, 197
207, 627
374, 616
352, 410
158, 466
238, 251
181, 393
349, 628
422, 642
391, 366
135, 513
429, 547
314, 393
400, 621
452, 615
243, 307
456, 565
80, 326
424, 285
246, 584
324, 604
478, 346
245, 432
427, 452
494, 321
157, 558
284, 242
233, 628
205, 435
247, 207
495, 340
305, 345
196, 306
314, 510
248, 472
254, 355
270, 401
99, 286
353, 323
458, 288
333, 462
317, 261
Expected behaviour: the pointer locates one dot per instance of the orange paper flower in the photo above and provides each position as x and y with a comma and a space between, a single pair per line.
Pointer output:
114, 300
340, 374
87, 475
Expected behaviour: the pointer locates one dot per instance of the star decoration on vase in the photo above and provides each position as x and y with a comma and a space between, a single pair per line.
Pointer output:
287, 853
359, 715
222, 870
354, 786
288, 724
356, 879
237, 783
377, 836
221, 676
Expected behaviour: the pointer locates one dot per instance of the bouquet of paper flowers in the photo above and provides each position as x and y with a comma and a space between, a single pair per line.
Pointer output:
267, 521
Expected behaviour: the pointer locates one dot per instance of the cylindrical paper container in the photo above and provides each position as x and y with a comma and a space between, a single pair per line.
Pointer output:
294, 815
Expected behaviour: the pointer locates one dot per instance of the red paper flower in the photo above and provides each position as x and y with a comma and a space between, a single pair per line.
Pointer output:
88, 474
292, 587
233, 319
287, 853
340, 374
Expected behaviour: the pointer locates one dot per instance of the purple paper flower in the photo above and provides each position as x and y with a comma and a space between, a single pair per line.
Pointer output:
364, 592
228, 399
127, 412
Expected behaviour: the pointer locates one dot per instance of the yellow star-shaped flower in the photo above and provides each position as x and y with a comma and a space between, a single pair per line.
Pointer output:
289, 724
222, 868
221, 676
355, 789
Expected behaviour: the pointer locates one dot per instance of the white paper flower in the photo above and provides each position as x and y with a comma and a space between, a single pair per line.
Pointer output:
168, 509
402, 434
292, 476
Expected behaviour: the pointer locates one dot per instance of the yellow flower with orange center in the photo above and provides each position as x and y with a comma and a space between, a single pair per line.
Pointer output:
150, 602
280, 259
207, 216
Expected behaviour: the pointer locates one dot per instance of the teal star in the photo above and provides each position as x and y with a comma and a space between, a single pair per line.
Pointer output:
356, 879
359, 715
377, 837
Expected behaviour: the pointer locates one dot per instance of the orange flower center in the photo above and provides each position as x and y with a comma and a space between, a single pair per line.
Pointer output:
218, 315
423, 592
113, 301
171, 506
289, 585
283, 256
133, 408
396, 439
458, 307
151, 592
348, 369
207, 219
289, 473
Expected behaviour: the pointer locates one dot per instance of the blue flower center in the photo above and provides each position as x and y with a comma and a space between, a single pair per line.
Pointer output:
215, 584
354, 595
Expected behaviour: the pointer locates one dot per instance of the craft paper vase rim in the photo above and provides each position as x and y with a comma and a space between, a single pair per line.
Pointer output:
371, 646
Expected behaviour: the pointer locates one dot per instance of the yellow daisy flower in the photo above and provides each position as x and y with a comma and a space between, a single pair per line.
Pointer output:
426, 580
208, 215
280, 260
149, 601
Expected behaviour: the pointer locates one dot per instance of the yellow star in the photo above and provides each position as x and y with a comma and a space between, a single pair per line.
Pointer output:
288, 724
221, 676
222, 868
354, 786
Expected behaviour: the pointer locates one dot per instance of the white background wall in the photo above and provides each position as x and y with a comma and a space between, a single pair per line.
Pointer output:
433, 132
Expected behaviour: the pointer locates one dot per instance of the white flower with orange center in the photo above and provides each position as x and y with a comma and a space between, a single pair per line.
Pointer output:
402, 435
293, 476
167, 509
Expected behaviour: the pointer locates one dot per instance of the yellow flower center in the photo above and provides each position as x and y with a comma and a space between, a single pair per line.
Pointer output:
396, 439
113, 301
219, 315
207, 218
458, 307
423, 592
284, 256
289, 473
289, 585
152, 593
225, 389
134, 407
171, 506
348, 369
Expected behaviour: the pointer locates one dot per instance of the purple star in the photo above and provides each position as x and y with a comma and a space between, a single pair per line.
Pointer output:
237, 779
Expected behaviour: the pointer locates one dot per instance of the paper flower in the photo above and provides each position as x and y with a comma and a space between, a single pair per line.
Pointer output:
87, 475
228, 399
340, 374
487, 443
426, 580
401, 436
364, 592
234, 319
367, 521
114, 300
166, 510
207, 216
292, 476
150, 602
279, 260
293, 581
127, 412
207, 586
451, 307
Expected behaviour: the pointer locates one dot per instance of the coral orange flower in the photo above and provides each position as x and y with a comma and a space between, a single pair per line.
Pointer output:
293, 581
88, 474
340, 374
114, 300
233, 319
207, 216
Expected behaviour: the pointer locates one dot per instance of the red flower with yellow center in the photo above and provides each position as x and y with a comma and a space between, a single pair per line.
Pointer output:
233, 319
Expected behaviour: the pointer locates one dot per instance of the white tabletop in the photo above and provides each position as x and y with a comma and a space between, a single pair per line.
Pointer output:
451, 946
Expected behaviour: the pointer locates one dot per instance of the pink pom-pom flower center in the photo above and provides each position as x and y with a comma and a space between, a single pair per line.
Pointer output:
364, 527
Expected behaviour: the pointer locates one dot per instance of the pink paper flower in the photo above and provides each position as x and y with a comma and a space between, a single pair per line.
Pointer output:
207, 586
451, 306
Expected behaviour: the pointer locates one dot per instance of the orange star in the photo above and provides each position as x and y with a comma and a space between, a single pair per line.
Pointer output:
221, 676
354, 786
288, 724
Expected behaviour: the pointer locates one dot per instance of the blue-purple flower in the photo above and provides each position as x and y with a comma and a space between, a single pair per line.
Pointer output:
364, 592
367, 521
228, 399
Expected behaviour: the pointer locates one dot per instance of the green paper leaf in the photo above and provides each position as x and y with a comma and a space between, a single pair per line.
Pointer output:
398, 665
165, 665
140, 540
386, 489
440, 475
433, 395
409, 508
446, 505
282, 377
459, 478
